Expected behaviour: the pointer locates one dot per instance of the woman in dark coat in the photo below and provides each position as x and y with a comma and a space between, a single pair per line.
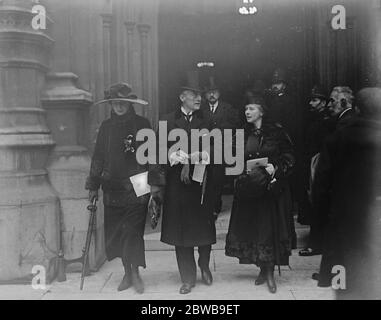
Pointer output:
113, 163
259, 230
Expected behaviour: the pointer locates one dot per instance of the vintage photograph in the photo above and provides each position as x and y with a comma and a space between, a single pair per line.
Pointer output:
204, 150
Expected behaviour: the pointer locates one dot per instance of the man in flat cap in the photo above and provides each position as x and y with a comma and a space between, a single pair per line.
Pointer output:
188, 206
113, 163
221, 116
349, 175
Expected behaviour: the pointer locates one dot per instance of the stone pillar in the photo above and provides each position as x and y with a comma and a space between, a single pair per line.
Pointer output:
143, 30
130, 26
28, 205
67, 110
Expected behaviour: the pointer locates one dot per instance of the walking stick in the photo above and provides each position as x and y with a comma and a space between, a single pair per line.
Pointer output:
85, 251
63, 263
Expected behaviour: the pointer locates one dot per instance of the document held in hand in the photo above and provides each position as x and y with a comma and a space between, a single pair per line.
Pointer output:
253, 163
140, 184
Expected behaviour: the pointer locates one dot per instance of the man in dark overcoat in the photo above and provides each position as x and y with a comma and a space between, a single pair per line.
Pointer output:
188, 206
222, 116
349, 176
112, 165
340, 106
283, 110
317, 128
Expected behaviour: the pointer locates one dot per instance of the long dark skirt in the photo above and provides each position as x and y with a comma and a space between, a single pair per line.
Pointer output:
260, 231
124, 232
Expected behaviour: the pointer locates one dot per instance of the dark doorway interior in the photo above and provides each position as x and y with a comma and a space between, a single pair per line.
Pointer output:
243, 48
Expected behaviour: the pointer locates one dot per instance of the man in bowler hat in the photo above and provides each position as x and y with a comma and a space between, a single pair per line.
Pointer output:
318, 126
221, 116
283, 111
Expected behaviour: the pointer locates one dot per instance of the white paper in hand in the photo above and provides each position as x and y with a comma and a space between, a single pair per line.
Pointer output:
140, 184
198, 172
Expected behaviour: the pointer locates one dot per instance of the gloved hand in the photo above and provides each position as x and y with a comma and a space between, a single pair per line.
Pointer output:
200, 157
184, 177
93, 195
157, 193
270, 169
178, 157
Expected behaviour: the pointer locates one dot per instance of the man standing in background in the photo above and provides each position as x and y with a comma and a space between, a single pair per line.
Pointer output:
221, 115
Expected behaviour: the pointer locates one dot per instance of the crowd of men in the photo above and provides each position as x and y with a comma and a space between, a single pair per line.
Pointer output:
336, 185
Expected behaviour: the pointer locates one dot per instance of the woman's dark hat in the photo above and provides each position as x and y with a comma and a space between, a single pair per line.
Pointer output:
121, 92
318, 92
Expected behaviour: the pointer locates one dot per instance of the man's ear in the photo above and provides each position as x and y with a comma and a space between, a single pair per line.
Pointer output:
343, 103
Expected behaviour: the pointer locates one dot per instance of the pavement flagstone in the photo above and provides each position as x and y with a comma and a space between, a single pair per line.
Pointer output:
232, 281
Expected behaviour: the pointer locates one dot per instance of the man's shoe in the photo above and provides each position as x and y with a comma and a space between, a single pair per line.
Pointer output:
137, 282
261, 278
307, 252
206, 276
186, 288
126, 282
323, 282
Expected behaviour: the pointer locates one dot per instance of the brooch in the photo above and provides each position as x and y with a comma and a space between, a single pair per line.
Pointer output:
128, 144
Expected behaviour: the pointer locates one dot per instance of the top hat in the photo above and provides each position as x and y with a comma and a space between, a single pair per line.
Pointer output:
211, 85
318, 92
279, 75
192, 82
121, 92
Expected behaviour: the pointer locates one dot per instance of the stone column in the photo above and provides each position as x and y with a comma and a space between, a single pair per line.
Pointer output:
67, 109
28, 205
130, 26
143, 30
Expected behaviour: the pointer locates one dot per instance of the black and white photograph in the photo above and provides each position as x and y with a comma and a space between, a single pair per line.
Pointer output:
208, 151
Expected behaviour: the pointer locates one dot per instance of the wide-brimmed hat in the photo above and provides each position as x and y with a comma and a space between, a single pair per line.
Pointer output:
121, 92
318, 92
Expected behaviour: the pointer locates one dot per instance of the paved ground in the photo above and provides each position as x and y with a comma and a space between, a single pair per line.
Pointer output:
231, 280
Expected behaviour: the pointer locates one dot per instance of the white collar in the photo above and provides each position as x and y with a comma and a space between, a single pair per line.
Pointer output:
345, 111
186, 113
215, 105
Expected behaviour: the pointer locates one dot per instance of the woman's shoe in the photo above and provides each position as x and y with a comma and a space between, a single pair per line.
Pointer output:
261, 278
126, 282
270, 279
137, 282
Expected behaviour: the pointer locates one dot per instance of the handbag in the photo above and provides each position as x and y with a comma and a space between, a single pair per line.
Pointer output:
254, 184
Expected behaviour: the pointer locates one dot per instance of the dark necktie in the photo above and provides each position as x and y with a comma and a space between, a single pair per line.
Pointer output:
188, 117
